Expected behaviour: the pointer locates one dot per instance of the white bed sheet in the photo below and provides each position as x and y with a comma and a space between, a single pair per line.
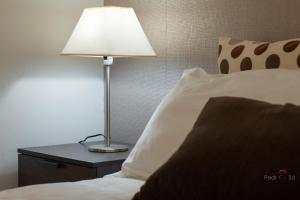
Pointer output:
108, 188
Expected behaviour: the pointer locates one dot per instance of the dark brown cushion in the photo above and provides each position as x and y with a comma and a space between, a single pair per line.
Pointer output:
238, 149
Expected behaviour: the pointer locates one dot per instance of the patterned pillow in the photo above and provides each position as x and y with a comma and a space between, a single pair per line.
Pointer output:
236, 55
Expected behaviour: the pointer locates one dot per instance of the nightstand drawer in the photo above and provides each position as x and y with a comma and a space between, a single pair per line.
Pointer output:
66, 163
33, 170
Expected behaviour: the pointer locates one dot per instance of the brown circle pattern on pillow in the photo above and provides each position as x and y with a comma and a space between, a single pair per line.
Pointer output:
237, 51
291, 46
273, 62
261, 49
240, 55
224, 67
246, 64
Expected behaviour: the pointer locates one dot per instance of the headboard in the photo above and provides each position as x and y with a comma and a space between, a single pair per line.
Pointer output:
185, 35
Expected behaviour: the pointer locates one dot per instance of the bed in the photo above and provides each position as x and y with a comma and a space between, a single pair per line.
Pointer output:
171, 125
109, 188
176, 115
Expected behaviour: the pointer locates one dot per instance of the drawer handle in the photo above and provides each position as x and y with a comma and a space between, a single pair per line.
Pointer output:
52, 164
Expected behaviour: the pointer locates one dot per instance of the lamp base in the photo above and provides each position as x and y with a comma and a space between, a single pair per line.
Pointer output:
113, 148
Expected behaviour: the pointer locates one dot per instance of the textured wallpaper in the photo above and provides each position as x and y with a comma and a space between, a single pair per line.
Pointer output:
185, 35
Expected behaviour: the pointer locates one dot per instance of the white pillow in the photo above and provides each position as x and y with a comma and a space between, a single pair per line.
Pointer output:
177, 113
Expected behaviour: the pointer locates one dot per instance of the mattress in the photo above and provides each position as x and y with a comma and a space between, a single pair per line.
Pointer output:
109, 188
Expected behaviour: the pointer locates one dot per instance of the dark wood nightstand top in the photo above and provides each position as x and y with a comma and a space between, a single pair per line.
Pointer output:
77, 154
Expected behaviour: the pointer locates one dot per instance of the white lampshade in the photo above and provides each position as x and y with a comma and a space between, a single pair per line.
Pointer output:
108, 31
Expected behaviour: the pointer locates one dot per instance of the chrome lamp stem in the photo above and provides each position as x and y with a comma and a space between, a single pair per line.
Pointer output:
107, 104
107, 147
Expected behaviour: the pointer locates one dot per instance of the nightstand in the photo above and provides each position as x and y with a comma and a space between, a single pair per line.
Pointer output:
66, 163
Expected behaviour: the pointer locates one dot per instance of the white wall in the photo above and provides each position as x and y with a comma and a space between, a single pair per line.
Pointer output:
45, 99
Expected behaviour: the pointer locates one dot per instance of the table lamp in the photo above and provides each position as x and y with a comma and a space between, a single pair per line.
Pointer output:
108, 32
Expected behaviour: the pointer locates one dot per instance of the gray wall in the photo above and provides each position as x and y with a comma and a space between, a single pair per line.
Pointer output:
184, 35
44, 98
